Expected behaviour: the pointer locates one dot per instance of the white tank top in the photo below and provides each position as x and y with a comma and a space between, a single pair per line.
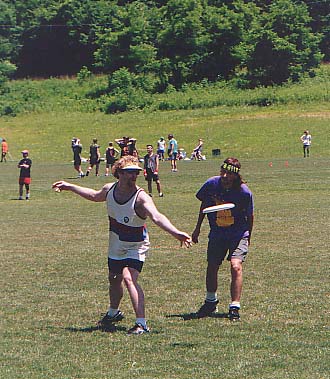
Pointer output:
128, 235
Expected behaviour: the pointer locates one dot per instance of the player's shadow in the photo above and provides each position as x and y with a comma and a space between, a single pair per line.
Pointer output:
73, 178
90, 329
194, 316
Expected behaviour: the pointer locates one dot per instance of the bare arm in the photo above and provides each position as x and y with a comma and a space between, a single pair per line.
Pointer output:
199, 223
157, 164
250, 220
146, 207
86, 193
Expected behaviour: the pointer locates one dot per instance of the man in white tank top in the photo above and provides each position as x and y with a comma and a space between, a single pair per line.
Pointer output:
128, 208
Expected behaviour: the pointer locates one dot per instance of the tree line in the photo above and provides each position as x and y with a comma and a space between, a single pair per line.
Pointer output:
160, 44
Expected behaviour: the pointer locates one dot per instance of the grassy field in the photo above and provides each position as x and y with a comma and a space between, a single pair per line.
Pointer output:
53, 253
54, 281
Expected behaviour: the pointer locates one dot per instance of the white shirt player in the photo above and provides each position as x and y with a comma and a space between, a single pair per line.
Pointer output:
128, 235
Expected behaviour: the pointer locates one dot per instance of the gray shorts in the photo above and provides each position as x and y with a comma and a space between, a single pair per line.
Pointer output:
218, 248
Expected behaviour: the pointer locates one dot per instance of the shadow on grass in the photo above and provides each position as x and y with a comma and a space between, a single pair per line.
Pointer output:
90, 329
110, 329
194, 316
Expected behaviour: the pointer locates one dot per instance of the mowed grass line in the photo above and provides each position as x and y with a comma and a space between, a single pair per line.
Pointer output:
54, 282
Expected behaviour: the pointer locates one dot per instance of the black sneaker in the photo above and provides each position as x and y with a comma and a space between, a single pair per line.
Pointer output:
233, 314
138, 329
87, 173
207, 308
107, 321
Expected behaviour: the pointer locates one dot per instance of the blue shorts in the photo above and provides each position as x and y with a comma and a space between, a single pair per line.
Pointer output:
116, 265
218, 248
173, 156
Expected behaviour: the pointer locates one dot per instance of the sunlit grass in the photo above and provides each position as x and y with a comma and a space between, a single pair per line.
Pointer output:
54, 281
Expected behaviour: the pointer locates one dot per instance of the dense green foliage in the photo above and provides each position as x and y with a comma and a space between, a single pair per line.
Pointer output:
174, 41
89, 93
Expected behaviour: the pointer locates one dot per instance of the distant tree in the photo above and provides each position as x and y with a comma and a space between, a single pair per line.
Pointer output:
128, 41
183, 38
226, 26
61, 36
8, 41
281, 47
320, 23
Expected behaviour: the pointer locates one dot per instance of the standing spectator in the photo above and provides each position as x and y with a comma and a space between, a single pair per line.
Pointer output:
111, 155
230, 232
128, 208
4, 150
151, 167
306, 139
127, 146
94, 157
25, 175
77, 148
161, 147
172, 152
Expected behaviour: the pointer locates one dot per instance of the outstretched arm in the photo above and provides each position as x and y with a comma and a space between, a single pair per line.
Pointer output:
86, 193
146, 207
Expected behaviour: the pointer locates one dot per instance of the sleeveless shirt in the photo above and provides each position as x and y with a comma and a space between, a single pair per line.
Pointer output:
128, 235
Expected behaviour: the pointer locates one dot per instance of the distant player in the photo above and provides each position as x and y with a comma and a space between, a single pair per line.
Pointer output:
25, 175
77, 148
161, 146
94, 158
111, 155
151, 168
4, 150
306, 139
172, 151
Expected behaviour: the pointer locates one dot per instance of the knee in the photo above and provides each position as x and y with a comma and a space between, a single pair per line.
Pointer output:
236, 267
128, 281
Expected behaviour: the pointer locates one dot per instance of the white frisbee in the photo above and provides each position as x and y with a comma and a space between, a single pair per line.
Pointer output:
220, 207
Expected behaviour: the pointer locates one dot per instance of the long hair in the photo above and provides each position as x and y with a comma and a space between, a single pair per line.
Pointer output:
236, 163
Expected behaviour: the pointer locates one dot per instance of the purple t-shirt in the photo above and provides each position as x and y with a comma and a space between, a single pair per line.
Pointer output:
232, 223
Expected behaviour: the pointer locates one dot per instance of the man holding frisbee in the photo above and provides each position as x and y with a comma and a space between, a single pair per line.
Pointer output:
128, 208
230, 233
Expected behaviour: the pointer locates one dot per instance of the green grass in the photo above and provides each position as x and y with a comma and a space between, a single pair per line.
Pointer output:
271, 133
53, 250
54, 281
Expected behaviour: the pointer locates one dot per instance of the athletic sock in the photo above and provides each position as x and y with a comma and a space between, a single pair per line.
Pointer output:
211, 296
235, 304
112, 311
142, 321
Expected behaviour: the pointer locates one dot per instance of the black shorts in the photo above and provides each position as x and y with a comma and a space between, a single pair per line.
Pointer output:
116, 265
77, 162
218, 248
111, 160
151, 176
94, 161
